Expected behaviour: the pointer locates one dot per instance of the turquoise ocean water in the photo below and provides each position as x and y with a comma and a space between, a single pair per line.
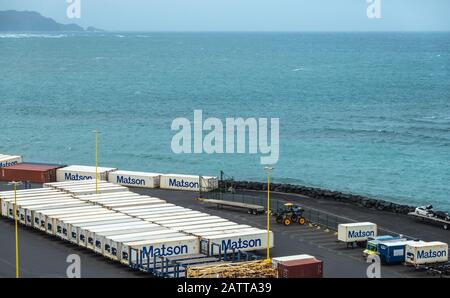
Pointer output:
366, 113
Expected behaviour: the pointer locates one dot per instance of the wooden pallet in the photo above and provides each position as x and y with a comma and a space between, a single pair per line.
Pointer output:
252, 269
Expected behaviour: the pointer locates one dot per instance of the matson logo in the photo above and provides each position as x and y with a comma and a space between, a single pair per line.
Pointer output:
130, 181
164, 251
70, 176
240, 244
8, 164
182, 184
230, 137
360, 234
423, 254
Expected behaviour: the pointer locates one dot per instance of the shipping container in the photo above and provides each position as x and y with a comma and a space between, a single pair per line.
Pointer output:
235, 226
141, 250
100, 235
281, 260
188, 182
86, 190
47, 216
193, 223
70, 225
393, 252
356, 232
160, 211
76, 229
88, 234
135, 179
62, 185
76, 173
307, 268
10, 205
61, 222
247, 241
9, 160
30, 172
162, 205
40, 214
113, 244
426, 253
6, 204
170, 215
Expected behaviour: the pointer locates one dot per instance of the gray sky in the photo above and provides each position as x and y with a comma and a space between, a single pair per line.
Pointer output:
246, 15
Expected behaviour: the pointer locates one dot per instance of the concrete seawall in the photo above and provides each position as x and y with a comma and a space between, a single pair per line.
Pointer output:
323, 194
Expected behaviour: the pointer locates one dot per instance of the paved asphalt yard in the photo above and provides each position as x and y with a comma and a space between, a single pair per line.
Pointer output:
44, 256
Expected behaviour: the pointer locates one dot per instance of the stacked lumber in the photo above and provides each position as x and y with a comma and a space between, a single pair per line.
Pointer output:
251, 269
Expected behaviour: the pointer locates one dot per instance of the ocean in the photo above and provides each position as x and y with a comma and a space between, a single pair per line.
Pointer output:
365, 113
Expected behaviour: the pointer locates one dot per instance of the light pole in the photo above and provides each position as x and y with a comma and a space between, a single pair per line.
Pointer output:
96, 160
14, 184
269, 172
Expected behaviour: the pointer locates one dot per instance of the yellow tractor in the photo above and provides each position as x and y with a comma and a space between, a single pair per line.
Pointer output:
289, 214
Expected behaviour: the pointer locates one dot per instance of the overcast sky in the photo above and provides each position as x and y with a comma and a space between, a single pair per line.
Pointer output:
246, 15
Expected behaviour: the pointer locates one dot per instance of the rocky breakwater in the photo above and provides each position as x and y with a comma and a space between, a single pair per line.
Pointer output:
323, 194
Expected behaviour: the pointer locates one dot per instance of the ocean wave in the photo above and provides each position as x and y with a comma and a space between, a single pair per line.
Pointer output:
26, 35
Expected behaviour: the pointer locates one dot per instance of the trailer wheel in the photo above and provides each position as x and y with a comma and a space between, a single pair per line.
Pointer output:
446, 227
301, 221
254, 212
287, 221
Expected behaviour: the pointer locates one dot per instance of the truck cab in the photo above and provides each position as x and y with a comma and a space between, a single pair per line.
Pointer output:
372, 247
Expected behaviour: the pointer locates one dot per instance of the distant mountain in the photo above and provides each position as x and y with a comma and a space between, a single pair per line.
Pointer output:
12, 20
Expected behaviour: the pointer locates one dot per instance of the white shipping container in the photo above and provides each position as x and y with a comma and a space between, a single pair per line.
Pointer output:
135, 179
76, 173
9, 160
419, 253
159, 247
247, 241
356, 232
100, 236
281, 260
188, 182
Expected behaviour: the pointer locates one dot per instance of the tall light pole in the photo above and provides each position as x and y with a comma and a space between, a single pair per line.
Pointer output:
269, 172
96, 160
14, 184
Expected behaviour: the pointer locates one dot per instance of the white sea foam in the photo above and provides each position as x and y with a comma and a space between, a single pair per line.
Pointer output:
31, 35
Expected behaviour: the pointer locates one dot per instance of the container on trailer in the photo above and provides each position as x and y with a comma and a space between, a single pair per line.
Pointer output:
25, 212
71, 225
201, 229
8, 204
100, 235
225, 224
92, 190
61, 185
170, 215
32, 213
129, 203
135, 179
150, 213
114, 198
281, 260
181, 219
75, 229
48, 215
306, 268
9, 160
113, 244
89, 234
29, 204
393, 252
420, 253
30, 172
141, 250
356, 232
162, 205
247, 241
60, 223
188, 182
183, 225
77, 172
